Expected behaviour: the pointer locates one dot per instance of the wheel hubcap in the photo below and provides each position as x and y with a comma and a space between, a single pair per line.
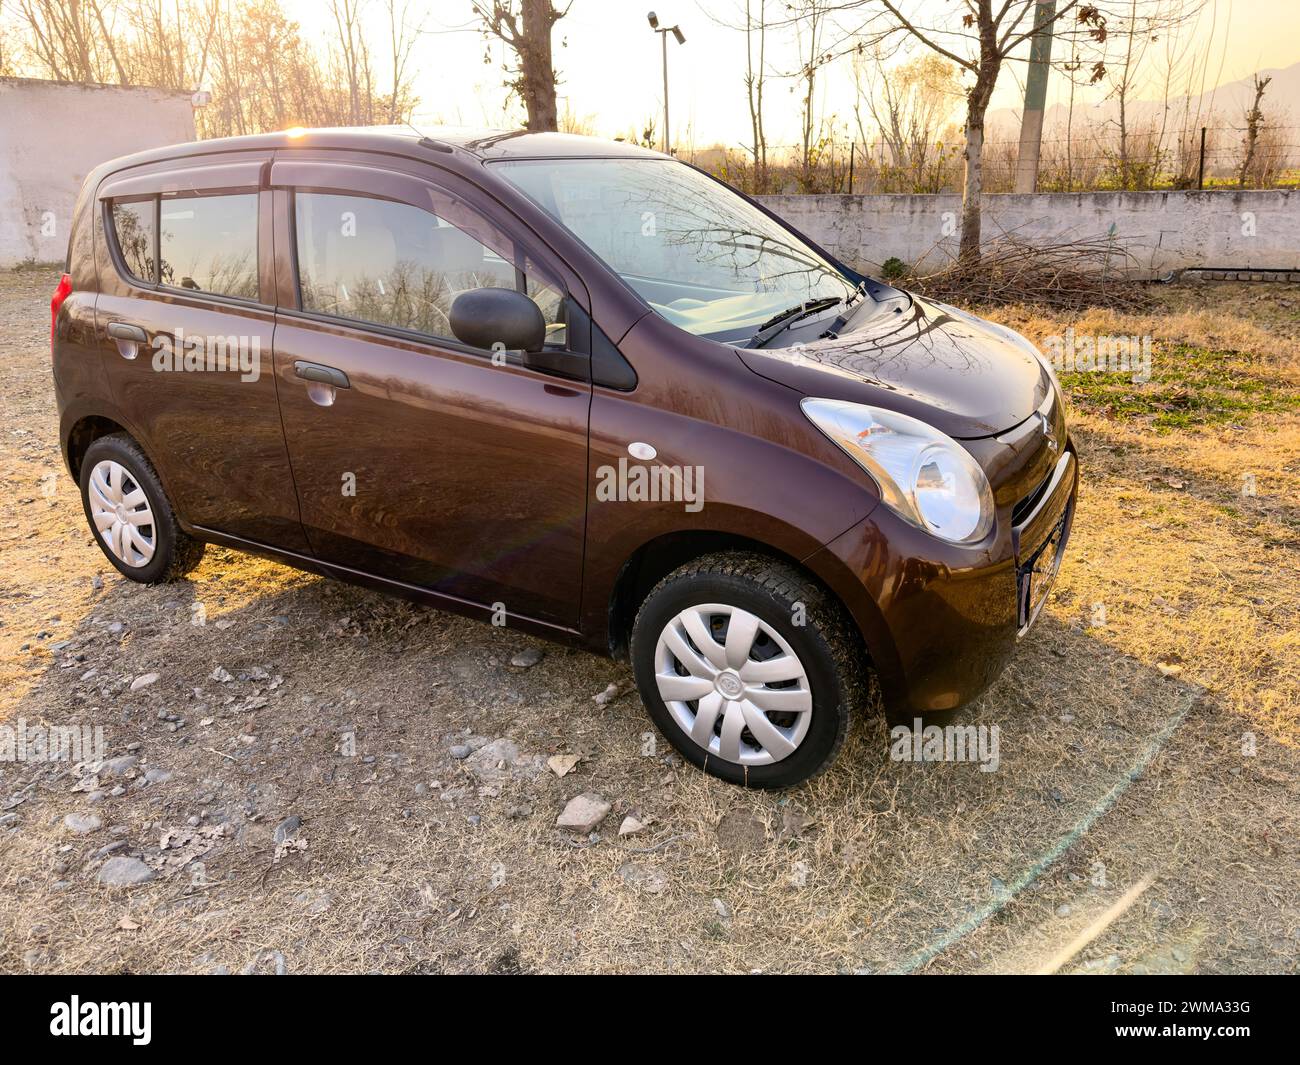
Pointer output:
733, 684
121, 514
729, 685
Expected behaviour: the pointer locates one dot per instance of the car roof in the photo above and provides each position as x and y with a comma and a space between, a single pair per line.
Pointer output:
525, 144
481, 144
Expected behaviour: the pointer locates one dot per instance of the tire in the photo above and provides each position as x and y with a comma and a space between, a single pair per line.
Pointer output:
157, 551
826, 675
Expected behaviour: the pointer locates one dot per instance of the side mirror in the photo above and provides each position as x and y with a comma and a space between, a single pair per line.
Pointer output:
483, 317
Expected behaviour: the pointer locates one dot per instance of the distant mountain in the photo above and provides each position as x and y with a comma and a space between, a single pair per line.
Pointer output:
1225, 105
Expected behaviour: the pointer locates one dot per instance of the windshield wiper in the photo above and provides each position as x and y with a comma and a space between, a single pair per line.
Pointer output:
843, 318
779, 323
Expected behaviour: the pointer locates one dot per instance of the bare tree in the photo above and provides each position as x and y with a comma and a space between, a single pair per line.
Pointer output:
404, 29
64, 39
1136, 30
809, 20
127, 42
1254, 122
987, 35
353, 58
7, 67
755, 81
909, 105
263, 74
525, 27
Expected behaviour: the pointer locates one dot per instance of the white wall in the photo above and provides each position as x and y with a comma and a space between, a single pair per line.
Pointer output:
1162, 231
52, 135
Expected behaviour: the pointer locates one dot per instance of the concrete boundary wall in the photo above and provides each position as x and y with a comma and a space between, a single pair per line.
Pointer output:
52, 134
1161, 231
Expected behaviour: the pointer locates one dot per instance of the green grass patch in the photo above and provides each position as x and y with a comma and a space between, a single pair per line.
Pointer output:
1189, 386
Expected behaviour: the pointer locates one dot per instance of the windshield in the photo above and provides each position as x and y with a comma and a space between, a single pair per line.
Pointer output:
700, 255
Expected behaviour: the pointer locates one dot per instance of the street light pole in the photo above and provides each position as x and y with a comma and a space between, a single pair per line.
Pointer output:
663, 39
663, 32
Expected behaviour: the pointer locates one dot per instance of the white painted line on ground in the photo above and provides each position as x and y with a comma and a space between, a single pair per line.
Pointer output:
1103, 806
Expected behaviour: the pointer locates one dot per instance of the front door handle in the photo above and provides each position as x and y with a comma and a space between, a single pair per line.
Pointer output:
326, 375
126, 331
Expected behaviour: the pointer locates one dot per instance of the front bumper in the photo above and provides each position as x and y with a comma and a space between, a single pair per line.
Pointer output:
1039, 540
940, 622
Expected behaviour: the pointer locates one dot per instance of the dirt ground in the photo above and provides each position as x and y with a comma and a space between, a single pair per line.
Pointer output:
1143, 817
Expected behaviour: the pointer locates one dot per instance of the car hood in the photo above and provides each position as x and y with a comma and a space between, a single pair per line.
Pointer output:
967, 377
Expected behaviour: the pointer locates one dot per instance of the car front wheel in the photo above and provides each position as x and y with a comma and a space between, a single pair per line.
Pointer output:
748, 667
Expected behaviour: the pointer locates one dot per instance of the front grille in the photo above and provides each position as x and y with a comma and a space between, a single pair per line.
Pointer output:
1026, 506
1022, 473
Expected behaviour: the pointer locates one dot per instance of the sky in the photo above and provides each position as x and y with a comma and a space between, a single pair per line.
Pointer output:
609, 63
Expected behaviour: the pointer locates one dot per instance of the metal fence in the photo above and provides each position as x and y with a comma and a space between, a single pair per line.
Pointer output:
1089, 161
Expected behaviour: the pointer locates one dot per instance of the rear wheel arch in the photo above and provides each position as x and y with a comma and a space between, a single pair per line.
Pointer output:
91, 427
84, 433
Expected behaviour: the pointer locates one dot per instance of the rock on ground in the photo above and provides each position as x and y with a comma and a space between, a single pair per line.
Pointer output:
83, 824
124, 872
500, 760
527, 658
288, 828
120, 766
583, 813
651, 881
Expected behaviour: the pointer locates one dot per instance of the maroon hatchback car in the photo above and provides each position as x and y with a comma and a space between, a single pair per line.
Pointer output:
575, 387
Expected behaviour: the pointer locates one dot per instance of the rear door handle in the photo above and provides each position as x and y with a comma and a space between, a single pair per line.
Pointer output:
326, 375
126, 331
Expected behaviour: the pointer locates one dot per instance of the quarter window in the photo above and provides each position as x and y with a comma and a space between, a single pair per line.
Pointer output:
136, 227
402, 266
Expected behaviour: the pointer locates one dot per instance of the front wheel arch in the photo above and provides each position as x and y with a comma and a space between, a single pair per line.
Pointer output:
654, 560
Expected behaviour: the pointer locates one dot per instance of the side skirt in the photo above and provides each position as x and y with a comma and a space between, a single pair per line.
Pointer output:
424, 596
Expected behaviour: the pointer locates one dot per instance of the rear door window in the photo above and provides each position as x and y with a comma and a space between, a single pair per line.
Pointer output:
198, 243
209, 244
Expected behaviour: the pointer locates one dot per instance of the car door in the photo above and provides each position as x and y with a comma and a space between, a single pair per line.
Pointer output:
184, 324
417, 458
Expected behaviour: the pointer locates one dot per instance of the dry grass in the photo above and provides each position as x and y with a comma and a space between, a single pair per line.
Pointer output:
412, 865
1194, 573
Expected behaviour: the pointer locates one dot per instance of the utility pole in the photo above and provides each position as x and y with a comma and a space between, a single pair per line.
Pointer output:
1031, 124
663, 32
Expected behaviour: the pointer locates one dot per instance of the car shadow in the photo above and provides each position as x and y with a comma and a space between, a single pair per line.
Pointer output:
282, 694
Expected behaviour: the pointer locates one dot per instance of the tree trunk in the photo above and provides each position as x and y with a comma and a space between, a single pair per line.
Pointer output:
977, 103
537, 75
1254, 120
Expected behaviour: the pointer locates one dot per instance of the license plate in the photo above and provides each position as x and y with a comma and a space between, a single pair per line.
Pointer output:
1036, 575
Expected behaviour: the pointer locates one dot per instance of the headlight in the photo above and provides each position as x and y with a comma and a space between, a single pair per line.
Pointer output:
924, 476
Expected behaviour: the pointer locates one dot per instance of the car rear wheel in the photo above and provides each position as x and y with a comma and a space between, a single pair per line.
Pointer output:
748, 667
130, 514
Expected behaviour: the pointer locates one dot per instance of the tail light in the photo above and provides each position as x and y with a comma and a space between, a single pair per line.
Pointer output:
56, 301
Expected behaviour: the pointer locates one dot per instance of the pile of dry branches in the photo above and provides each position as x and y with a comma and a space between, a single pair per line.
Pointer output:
1070, 275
